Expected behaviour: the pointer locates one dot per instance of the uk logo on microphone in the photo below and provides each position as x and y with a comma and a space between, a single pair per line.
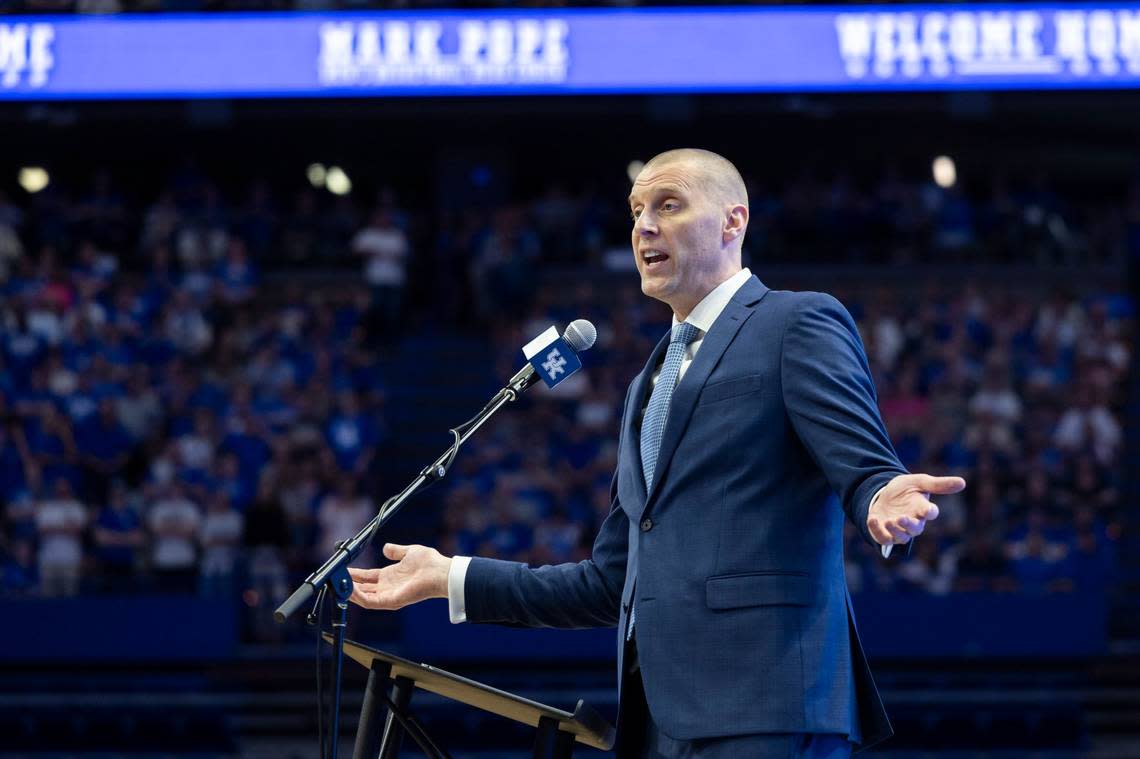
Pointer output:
551, 357
554, 364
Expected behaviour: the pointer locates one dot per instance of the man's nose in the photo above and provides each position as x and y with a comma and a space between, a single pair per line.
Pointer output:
646, 225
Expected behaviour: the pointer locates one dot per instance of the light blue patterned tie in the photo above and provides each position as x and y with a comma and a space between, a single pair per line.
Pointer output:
653, 425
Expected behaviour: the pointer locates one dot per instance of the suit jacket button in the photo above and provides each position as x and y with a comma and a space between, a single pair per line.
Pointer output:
646, 524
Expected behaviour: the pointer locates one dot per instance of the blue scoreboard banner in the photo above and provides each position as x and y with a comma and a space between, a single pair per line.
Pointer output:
852, 48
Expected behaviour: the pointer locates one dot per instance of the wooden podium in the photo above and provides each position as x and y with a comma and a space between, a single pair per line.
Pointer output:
556, 730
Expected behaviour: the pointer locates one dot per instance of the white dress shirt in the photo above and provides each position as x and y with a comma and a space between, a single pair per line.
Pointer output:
703, 315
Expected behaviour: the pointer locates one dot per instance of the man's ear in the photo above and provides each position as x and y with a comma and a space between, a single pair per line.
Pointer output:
735, 222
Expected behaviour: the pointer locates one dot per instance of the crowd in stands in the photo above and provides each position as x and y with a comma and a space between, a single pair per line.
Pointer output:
167, 424
173, 419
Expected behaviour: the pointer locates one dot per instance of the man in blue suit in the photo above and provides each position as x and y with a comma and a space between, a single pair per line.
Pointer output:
751, 431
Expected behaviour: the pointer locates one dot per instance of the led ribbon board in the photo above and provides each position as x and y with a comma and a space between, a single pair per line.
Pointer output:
896, 47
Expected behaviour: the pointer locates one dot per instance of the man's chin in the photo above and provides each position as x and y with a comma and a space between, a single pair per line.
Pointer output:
656, 290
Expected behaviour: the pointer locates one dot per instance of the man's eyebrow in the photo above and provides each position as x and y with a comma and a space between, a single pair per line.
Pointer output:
666, 189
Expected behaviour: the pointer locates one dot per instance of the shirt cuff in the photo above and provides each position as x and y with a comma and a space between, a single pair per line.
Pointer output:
456, 577
884, 550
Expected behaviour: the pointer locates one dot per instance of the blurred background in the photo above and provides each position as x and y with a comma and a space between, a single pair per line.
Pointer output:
253, 266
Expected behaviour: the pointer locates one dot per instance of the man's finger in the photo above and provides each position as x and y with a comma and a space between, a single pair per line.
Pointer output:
394, 551
931, 512
940, 485
363, 575
881, 536
898, 534
912, 526
359, 597
377, 599
386, 599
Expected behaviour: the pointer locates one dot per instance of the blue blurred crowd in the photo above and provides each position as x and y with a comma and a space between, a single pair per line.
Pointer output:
163, 423
175, 418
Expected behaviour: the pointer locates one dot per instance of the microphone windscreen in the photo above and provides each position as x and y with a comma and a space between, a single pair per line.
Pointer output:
580, 335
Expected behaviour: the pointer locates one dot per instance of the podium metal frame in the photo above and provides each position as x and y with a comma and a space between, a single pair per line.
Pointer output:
385, 717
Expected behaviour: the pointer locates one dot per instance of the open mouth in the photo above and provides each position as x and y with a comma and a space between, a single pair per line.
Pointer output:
653, 258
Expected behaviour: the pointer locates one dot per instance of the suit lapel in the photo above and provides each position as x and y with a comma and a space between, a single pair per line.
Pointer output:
684, 400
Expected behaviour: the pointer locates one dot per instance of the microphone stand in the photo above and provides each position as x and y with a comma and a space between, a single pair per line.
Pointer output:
333, 577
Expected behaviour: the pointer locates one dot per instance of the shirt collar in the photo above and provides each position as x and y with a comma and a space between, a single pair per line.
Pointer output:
706, 312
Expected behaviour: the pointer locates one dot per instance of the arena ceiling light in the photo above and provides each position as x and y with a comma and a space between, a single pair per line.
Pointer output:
337, 181
33, 178
944, 171
316, 174
633, 169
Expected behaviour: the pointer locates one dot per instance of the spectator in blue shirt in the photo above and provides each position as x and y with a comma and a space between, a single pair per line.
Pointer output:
119, 535
52, 446
80, 347
19, 575
238, 488
247, 439
14, 457
236, 273
352, 435
116, 348
22, 347
33, 396
106, 446
81, 403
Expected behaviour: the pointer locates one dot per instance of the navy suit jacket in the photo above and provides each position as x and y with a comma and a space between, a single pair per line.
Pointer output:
734, 558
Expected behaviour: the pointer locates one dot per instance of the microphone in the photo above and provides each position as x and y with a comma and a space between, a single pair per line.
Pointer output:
551, 358
580, 335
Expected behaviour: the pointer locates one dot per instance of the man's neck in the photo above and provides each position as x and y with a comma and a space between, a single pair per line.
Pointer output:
680, 314
682, 311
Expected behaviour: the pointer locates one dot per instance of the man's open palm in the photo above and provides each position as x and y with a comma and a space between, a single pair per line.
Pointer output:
418, 574
903, 507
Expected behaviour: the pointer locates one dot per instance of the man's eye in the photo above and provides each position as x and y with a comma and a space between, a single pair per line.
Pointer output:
670, 206
634, 214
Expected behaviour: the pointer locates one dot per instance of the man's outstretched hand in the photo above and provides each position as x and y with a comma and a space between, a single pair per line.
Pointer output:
419, 573
903, 507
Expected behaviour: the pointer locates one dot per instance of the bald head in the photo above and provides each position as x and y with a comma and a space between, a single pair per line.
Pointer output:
717, 175
690, 211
